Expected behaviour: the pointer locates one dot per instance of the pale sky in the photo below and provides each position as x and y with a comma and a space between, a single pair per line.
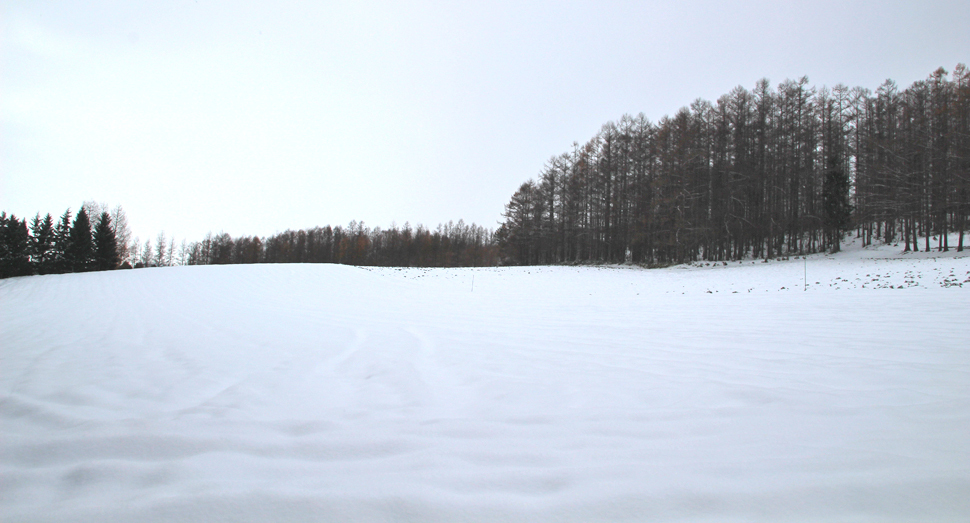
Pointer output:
256, 117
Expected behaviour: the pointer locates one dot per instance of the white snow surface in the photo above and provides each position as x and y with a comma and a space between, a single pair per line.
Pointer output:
701, 393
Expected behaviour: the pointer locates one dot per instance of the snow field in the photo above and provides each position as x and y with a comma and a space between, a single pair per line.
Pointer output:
325, 393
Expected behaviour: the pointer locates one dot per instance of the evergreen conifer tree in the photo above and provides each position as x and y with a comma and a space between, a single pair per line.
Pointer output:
5, 249
80, 251
62, 242
42, 243
14, 247
106, 245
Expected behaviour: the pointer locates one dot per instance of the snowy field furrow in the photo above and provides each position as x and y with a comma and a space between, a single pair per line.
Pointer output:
830, 388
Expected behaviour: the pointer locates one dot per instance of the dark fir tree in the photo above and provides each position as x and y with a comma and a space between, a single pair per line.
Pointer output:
80, 251
14, 247
62, 243
106, 244
42, 243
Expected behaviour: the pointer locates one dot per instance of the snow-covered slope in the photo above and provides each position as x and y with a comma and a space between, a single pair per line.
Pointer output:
329, 393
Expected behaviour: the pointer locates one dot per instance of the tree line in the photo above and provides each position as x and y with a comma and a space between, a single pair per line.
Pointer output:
762, 173
450, 245
759, 173
74, 244
86, 242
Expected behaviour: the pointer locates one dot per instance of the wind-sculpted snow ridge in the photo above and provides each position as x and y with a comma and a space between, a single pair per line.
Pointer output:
831, 388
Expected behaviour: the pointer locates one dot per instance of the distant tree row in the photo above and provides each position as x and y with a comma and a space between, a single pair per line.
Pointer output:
80, 244
450, 245
46, 247
75, 245
759, 173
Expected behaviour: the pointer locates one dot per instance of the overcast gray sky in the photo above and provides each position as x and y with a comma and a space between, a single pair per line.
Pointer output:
257, 117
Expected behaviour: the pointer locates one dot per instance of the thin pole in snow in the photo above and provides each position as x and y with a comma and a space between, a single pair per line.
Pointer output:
473, 283
806, 274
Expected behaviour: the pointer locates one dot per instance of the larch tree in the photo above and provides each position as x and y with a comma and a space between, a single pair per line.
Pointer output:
119, 223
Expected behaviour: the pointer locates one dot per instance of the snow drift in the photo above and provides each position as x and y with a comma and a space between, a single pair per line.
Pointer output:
832, 388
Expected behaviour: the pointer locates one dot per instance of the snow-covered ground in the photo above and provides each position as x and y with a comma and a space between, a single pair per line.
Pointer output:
330, 393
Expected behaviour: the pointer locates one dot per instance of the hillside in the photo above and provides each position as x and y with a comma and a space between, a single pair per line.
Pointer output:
721, 392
